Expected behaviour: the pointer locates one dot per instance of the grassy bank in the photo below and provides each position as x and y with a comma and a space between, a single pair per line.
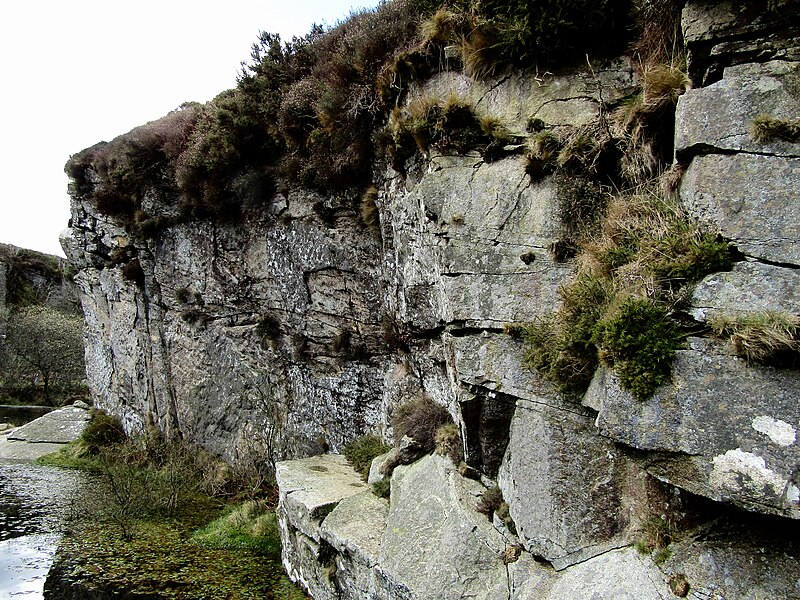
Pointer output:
168, 559
164, 520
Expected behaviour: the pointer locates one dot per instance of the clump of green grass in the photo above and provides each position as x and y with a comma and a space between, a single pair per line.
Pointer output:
448, 442
639, 340
655, 538
643, 125
541, 153
382, 488
103, 430
760, 337
362, 451
561, 347
765, 128
449, 125
248, 526
618, 309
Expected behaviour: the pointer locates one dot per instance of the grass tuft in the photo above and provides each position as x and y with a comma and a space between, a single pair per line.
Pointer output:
760, 337
248, 526
420, 419
766, 129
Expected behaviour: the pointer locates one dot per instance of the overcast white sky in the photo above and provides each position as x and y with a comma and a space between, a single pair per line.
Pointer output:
76, 72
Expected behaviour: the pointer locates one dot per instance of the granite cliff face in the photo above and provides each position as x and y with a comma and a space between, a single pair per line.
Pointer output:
290, 334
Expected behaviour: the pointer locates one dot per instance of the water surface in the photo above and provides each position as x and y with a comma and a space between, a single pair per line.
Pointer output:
34, 504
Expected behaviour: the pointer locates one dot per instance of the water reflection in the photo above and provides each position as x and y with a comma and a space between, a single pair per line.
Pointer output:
34, 501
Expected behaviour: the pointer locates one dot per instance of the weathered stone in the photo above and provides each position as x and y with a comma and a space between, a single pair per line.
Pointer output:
729, 428
557, 99
718, 34
752, 560
719, 116
436, 544
749, 199
60, 426
378, 470
354, 529
312, 487
309, 490
409, 450
481, 218
563, 484
617, 575
750, 287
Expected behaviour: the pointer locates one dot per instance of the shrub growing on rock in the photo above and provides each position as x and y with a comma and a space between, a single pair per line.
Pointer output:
362, 450
420, 419
102, 431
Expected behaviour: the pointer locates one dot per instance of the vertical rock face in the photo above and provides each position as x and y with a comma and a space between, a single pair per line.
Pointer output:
292, 333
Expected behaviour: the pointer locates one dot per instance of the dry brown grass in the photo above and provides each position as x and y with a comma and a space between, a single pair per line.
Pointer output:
766, 129
761, 336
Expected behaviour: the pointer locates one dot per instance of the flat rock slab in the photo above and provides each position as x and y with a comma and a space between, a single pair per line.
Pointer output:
15, 450
719, 116
312, 487
750, 287
729, 428
61, 426
750, 199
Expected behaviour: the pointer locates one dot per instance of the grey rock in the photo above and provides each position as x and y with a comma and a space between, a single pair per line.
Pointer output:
312, 487
409, 450
379, 469
750, 287
564, 484
718, 34
309, 489
750, 560
354, 529
60, 426
436, 544
749, 199
729, 429
720, 116
618, 575
557, 99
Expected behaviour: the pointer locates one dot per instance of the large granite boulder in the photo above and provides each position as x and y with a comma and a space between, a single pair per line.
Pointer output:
722, 429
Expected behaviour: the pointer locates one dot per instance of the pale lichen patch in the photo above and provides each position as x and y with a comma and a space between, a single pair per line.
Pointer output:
780, 432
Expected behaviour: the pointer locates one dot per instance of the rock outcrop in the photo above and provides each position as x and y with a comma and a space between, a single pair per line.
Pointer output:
299, 329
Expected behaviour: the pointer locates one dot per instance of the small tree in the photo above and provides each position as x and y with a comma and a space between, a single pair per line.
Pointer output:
45, 346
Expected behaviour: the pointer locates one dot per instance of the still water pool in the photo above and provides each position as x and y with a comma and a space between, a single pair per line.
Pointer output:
34, 504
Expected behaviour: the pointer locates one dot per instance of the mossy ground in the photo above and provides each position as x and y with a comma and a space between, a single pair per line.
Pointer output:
164, 560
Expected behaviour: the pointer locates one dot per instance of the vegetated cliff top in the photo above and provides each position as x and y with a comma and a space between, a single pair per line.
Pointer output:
28, 273
310, 110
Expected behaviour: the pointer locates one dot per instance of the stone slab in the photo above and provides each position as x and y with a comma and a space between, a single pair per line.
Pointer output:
436, 544
312, 487
749, 287
14, 450
730, 429
563, 484
719, 116
60, 426
750, 199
